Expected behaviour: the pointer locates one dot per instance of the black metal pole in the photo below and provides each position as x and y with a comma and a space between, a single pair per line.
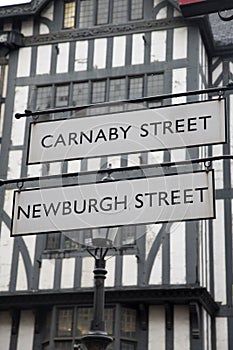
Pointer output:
97, 338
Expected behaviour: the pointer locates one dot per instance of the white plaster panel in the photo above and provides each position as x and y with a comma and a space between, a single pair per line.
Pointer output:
87, 272
110, 267
55, 168
163, 12
134, 159
179, 84
47, 274
81, 55
26, 331
18, 125
34, 170
14, 165
177, 253
93, 164
180, 40
49, 11
222, 334
137, 48
43, 63
68, 271
30, 242
217, 72
219, 253
100, 53
27, 28
114, 161
4, 88
178, 154
130, 270
44, 29
21, 283
151, 234
157, 333
8, 202
156, 272
158, 46
155, 157
24, 62
6, 249
5, 330
63, 57
118, 57
181, 327
218, 167
74, 166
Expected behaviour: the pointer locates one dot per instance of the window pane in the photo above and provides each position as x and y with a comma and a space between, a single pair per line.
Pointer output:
86, 13
109, 315
120, 11
80, 94
128, 323
69, 14
53, 241
155, 84
62, 96
98, 91
44, 98
102, 11
135, 87
128, 234
117, 89
136, 11
85, 315
64, 325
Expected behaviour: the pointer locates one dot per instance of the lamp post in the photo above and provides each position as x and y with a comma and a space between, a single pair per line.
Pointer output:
97, 338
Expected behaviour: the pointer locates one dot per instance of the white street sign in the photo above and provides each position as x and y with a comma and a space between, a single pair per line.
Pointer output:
179, 197
193, 124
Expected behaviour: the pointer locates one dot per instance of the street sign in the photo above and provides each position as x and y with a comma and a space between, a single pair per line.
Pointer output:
192, 124
179, 197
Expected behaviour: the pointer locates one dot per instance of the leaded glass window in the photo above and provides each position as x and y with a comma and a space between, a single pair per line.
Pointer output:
86, 13
69, 14
102, 12
120, 11
135, 87
136, 9
81, 94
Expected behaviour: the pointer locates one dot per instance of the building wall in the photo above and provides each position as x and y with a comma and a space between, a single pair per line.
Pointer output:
169, 255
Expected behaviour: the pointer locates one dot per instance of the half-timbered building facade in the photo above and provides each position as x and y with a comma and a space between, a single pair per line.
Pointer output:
169, 286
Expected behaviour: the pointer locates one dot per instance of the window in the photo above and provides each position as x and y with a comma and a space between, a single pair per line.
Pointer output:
69, 14
86, 13
120, 10
135, 87
62, 96
44, 98
74, 322
117, 89
98, 91
80, 94
136, 9
102, 12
